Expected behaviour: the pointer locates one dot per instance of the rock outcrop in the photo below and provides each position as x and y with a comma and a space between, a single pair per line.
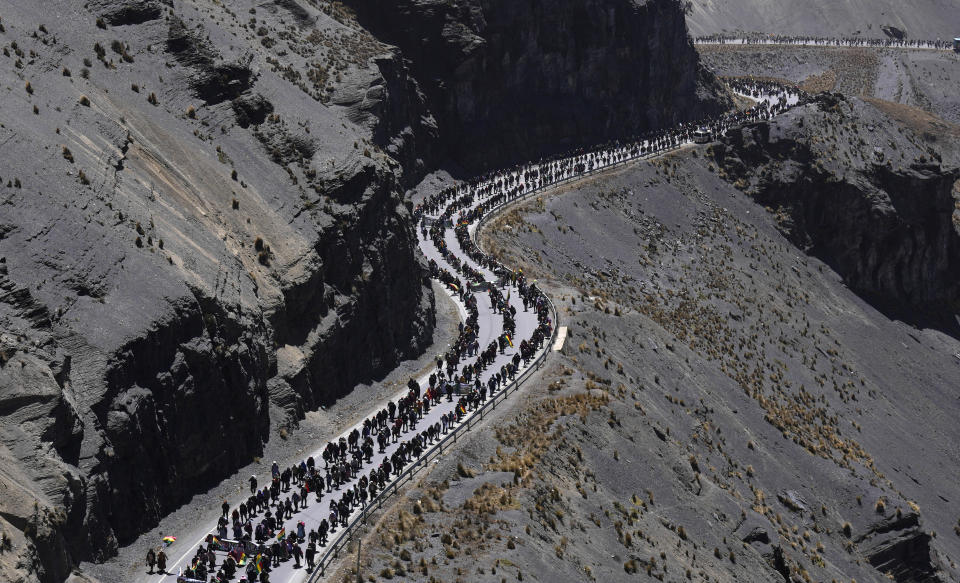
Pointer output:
509, 80
899, 547
872, 201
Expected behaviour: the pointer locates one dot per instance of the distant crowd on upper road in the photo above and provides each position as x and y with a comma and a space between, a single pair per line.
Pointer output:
814, 41
506, 185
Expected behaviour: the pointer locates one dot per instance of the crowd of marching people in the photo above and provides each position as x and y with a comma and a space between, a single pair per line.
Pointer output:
251, 538
816, 41
499, 187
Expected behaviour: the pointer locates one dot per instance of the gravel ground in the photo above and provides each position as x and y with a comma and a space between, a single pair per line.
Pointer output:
316, 428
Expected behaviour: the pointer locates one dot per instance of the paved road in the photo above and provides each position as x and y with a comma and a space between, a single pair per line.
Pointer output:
490, 327
925, 45
497, 189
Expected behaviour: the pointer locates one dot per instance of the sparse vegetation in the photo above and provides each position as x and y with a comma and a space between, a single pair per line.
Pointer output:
880, 506
463, 471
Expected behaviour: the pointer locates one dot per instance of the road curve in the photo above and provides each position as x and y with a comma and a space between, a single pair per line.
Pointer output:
493, 301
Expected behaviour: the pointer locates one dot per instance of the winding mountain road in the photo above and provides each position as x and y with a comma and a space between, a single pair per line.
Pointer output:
446, 231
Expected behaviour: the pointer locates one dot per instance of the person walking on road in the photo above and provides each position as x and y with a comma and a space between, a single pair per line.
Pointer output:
311, 555
151, 559
297, 554
161, 562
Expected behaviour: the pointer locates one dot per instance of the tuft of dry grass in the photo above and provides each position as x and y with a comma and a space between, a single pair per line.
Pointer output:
532, 437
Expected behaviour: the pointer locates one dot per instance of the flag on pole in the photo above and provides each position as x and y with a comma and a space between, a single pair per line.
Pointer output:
282, 533
258, 563
509, 341
169, 540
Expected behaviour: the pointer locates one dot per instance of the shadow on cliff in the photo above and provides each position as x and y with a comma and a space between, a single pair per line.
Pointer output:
510, 81
853, 188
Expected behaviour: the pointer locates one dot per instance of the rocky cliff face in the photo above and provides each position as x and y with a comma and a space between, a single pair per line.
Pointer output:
186, 264
203, 232
524, 79
869, 199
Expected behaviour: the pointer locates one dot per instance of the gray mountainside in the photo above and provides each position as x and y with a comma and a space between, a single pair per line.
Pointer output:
920, 19
203, 232
727, 406
513, 80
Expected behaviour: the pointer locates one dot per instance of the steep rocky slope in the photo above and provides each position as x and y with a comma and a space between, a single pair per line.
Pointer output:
875, 204
926, 19
725, 408
203, 233
509, 80
925, 79
194, 248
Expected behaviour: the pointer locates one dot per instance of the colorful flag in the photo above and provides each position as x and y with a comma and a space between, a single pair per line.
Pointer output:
215, 541
243, 559
509, 341
282, 533
258, 563
169, 540
454, 286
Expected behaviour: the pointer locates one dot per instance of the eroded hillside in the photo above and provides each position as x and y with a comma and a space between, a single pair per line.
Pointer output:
918, 78
926, 19
725, 408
